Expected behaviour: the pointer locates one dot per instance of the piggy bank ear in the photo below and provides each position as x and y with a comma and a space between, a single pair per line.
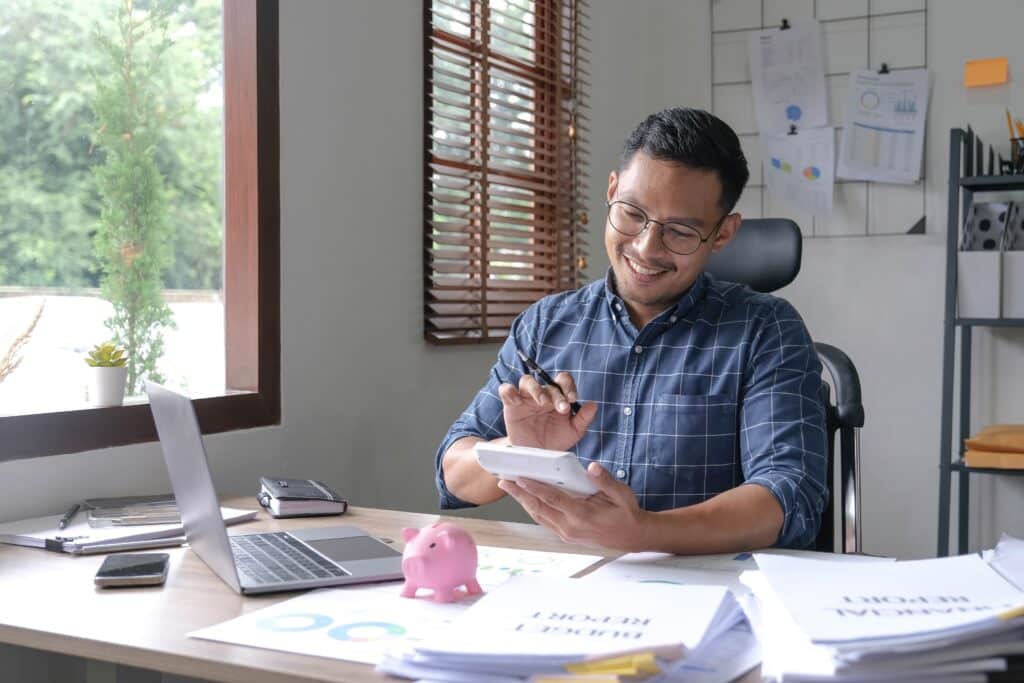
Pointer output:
446, 540
408, 533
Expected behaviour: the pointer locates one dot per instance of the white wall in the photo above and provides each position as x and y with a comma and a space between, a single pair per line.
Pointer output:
881, 299
365, 400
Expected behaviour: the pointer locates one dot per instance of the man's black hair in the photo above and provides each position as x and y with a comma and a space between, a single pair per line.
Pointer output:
697, 140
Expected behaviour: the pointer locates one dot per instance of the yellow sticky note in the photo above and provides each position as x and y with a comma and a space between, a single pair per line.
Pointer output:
1012, 613
641, 664
575, 678
980, 72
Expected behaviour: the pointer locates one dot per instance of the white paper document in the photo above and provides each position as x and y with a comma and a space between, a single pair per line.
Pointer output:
883, 126
788, 72
924, 599
713, 570
538, 625
789, 655
360, 623
1008, 559
800, 169
724, 659
568, 619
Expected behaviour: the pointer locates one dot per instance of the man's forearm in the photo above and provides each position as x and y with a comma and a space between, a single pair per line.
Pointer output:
463, 475
744, 518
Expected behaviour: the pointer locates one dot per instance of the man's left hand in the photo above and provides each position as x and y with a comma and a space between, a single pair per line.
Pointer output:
611, 518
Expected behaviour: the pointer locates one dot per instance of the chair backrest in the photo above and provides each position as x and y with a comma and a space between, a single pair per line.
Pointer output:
765, 255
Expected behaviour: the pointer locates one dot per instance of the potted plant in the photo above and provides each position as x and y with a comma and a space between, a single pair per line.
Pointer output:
109, 374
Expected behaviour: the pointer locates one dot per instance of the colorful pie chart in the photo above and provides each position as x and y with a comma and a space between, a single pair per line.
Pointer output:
291, 623
812, 173
367, 631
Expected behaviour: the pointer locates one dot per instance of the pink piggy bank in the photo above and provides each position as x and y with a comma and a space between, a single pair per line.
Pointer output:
441, 556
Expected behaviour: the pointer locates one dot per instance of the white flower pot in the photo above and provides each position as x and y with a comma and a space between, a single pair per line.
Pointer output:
107, 386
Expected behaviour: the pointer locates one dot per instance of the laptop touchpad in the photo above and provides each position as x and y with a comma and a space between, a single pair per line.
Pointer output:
352, 549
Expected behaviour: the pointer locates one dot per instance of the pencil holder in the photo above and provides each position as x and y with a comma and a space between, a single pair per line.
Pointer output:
1017, 154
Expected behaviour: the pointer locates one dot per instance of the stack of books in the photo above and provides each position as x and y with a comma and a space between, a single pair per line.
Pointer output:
534, 625
949, 619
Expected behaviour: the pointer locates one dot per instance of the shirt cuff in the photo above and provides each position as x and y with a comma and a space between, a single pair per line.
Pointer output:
446, 499
794, 532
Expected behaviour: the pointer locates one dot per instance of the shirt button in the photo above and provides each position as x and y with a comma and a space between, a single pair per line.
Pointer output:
621, 474
638, 349
673, 319
618, 307
627, 410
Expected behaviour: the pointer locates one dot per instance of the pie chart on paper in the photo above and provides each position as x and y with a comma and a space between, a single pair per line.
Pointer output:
812, 173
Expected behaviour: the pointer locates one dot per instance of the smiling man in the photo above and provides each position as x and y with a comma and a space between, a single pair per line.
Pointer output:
701, 419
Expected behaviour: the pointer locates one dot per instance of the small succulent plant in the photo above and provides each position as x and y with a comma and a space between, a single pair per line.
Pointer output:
107, 355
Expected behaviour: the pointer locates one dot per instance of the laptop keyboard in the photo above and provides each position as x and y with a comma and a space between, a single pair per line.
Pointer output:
276, 557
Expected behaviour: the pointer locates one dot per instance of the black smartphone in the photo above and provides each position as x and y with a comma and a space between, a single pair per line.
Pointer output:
133, 569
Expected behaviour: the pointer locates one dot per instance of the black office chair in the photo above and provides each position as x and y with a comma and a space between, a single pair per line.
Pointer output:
765, 254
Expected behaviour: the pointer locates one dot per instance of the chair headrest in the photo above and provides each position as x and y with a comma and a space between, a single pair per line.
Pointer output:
764, 254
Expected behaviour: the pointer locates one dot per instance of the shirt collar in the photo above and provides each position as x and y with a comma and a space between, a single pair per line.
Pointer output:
687, 302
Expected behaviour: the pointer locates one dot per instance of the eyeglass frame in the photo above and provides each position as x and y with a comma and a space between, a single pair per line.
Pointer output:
661, 225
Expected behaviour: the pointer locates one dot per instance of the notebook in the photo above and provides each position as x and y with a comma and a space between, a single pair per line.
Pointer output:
299, 497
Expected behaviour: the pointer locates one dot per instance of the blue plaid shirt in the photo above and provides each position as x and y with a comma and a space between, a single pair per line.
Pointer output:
723, 388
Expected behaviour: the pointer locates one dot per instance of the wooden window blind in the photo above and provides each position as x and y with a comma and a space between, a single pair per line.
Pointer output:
504, 149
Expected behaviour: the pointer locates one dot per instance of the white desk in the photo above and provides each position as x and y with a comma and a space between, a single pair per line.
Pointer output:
48, 602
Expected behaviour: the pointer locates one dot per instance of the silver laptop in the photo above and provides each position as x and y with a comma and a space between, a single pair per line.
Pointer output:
257, 562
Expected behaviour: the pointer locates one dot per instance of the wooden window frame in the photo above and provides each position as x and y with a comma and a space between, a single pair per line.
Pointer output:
252, 265
558, 74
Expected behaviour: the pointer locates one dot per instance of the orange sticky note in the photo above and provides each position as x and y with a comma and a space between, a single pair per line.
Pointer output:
980, 72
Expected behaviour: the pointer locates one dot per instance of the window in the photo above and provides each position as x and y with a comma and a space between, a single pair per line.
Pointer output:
235, 295
503, 185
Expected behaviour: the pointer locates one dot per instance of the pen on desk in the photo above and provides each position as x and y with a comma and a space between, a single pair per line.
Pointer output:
68, 515
531, 365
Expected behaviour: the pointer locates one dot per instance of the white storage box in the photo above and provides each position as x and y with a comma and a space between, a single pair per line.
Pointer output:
1013, 284
979, 284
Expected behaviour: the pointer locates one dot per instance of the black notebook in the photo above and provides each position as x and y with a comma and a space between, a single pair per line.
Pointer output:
299, 497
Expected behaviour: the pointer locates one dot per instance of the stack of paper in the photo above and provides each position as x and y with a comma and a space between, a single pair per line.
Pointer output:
80, 537
537, 625
950, 619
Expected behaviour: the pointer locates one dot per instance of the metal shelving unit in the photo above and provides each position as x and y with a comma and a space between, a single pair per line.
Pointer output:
961, 194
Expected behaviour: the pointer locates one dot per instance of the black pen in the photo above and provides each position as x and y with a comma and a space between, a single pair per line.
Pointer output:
531, 365
68, 515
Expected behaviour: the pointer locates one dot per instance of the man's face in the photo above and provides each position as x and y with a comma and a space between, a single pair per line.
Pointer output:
650, 278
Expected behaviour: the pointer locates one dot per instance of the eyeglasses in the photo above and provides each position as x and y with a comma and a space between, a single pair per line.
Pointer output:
678, 238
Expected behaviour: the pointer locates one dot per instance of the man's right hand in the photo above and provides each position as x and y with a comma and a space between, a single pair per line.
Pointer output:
540, 416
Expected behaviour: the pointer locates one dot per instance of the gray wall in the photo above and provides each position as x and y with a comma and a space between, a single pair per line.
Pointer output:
366, 401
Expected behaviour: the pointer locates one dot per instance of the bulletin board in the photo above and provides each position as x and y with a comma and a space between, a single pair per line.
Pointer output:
857, 34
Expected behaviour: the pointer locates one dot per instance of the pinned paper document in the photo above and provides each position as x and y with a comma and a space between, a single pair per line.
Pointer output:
981, 72
883, 126
799, 168
788, 71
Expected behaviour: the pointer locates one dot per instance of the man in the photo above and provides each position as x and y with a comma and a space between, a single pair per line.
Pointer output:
701, 418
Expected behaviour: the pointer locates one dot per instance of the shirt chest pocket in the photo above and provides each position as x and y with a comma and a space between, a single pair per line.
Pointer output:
693, 447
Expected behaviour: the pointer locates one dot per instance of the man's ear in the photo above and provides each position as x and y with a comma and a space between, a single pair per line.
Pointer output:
726, 231
613, 184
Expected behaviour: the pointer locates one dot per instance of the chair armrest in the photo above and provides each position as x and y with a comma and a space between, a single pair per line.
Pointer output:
846, 381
